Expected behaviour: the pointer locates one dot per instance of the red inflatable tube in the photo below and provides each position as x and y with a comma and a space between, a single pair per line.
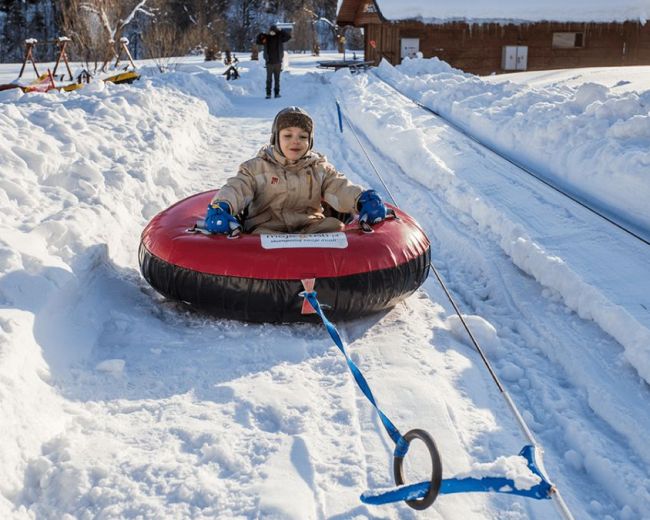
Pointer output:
258, 277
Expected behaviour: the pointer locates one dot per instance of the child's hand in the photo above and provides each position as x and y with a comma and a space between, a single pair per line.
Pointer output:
219, 220
371, 207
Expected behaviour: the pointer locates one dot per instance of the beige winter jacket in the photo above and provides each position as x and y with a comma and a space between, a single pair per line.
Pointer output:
287, 197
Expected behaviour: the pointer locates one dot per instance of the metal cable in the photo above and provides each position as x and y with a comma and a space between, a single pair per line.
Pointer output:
354, 133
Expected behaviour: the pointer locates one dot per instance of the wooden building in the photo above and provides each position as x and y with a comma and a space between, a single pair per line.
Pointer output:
485, 47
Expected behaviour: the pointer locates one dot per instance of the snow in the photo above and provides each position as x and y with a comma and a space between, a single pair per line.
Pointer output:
512, 468
119, 403
567, 136
482, 330
596, 148
508, 11
113, 366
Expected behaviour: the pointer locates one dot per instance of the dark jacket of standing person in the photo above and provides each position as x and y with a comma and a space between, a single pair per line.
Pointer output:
273, 42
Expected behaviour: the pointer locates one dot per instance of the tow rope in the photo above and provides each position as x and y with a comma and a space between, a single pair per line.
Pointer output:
422, 495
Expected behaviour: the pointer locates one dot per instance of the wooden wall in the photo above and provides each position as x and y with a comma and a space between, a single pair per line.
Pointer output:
478, 48
386, 42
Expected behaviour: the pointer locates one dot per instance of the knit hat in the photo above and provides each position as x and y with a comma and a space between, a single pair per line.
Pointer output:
292, 116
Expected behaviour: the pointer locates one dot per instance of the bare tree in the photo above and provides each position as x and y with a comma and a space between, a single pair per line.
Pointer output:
208, 25
318, 19
167, 38
353, 38
244, 21
164, 43
303, 37
96, 26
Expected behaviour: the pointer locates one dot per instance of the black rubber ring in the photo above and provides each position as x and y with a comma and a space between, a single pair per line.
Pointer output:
436, 469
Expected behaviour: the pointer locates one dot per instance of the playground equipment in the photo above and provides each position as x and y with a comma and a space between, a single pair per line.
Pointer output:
46, 81
126, 76
50, 80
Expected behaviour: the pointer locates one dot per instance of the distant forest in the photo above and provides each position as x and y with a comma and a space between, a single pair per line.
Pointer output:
158, 28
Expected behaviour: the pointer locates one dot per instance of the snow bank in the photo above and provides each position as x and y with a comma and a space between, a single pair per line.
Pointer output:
587, 139
201, 84
466, 97
79, 171
31, 411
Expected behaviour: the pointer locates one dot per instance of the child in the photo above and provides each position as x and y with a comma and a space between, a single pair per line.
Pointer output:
282, 188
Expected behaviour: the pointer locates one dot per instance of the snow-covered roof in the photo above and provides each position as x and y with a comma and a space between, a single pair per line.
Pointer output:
516, 10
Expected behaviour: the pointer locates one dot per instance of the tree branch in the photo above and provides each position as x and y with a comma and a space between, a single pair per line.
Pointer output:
139, 7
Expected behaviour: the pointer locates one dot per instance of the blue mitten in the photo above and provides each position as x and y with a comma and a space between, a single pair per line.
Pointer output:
219, 220
371, 207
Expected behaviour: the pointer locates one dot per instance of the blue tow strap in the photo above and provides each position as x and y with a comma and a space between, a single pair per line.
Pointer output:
401, 446
503, 485
411, 492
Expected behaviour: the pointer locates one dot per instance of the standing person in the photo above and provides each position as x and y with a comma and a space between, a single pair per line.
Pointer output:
273, 42
282, 189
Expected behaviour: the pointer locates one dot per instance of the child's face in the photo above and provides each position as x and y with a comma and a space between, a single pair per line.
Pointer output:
294, 142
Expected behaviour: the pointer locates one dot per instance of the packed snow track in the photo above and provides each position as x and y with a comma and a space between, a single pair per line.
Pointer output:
118, 403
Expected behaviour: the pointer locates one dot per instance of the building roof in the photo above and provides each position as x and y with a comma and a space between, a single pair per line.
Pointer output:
506, 11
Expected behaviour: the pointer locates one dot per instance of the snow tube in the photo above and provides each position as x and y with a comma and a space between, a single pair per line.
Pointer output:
258, 277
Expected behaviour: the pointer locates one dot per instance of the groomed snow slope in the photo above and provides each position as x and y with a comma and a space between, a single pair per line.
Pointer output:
117, 403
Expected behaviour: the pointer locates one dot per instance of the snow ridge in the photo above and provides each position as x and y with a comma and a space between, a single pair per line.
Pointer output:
571, 144
77, 171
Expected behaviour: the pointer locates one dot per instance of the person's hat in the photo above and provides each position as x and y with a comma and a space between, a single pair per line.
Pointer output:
292, 116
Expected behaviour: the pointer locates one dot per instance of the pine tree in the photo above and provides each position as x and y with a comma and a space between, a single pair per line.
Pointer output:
244, 23
14, 34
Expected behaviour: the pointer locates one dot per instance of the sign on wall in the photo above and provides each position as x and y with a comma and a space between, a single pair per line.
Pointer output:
567, 40
409, 47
